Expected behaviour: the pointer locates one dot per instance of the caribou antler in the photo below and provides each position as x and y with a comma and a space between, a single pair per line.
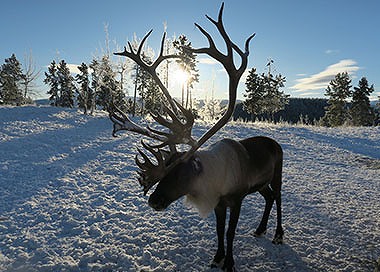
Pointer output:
122, 122
181, 120
227, 61
179, 125
151, 69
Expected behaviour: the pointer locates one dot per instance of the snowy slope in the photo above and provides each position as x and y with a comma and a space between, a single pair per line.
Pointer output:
68, 201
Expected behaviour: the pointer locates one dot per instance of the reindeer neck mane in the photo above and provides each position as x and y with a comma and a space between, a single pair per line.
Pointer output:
221, 164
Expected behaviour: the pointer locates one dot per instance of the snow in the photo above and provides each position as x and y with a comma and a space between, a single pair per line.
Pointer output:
69, 201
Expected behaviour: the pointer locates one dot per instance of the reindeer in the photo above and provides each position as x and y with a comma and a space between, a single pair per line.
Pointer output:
213, 178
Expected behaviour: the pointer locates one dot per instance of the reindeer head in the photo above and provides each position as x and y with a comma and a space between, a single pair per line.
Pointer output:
173, 170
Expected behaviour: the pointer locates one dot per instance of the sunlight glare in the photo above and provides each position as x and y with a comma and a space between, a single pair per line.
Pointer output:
180, 75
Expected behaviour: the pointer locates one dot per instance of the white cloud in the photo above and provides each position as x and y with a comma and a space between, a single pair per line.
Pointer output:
209, 61
307, 94
72, 67
321, 80
332, 51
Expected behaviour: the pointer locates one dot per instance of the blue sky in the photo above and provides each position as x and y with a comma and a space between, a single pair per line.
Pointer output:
309, 41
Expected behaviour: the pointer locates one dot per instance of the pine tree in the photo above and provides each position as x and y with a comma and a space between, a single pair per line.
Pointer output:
51, 79
85, 93
361, 111
255, 92
153, 97
109, 88
338, 91
264, 95
188, 64
11, 78
274, 99
106, 83
95, 74
66, 85
135, 77
144, 86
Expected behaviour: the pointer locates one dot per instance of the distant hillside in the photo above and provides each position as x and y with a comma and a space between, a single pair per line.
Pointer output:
373, 103
42, 102
309, 109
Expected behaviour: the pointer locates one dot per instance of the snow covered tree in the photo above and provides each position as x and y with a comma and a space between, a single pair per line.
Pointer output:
196, 106
135, 77
339, 90
211, 110
66, 85
95, 73
51, 79
109, 88
85, 93
153, 97
263, 94
61, 84
361, 112
122, 67
11, 78
147, 88
188, 64
106, 83
274, 99
255, 92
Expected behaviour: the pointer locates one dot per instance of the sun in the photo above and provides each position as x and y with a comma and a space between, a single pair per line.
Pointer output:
180, 75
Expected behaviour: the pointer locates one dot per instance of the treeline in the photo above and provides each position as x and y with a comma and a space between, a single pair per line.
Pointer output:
297, 110
95, 86
344, 106
104, 81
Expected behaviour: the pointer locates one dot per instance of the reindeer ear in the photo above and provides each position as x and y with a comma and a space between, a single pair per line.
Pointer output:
196, 165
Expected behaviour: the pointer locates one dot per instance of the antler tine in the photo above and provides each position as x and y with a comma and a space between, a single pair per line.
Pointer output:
122, 122
225, 60
234, 74
150, 173
150, 68
161, 57
180, 132
187, 113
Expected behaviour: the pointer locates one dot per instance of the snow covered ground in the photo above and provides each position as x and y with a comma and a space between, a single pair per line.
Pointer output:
68, 201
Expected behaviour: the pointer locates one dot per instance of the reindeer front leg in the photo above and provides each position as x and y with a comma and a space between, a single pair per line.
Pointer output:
234, 218
220, 212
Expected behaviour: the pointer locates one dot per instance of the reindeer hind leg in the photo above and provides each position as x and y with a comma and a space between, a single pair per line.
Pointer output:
267, 193
278, 238
276, 185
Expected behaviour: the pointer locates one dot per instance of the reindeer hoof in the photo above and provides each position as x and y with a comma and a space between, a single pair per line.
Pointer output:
215, 264
229, 269
260, 234
278, 240
229, 265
